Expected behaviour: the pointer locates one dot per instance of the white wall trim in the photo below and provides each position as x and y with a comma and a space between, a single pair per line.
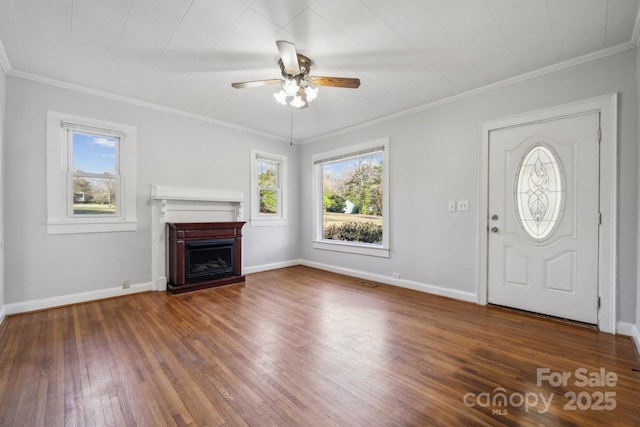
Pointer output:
45, 303
630, 330
484, 89
607, 280
409, 284
138, 103
201, 194
635, 37
268, 267
53, 302
625, 328
635, 334
4, 60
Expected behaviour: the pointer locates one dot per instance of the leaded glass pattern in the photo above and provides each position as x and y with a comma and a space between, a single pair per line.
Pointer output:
539, 192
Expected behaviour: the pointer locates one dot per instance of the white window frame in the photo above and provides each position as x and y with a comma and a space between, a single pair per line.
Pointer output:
60, 217
281, 210
341, 246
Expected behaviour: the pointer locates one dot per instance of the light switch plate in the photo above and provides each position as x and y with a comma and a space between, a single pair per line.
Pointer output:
452, 206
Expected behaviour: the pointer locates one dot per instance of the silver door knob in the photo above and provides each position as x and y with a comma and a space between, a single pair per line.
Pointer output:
494, 217
494, 229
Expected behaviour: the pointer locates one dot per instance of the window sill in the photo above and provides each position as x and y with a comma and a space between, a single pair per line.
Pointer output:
353, 248
91, 227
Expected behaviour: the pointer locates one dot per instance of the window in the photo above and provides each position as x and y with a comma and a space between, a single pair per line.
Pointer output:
351, 199
91, 177
268, 189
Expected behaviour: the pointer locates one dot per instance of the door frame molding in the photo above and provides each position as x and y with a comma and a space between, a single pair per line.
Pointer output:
606, 105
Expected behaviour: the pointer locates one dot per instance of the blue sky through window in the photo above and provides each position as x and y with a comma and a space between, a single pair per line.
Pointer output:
94, 153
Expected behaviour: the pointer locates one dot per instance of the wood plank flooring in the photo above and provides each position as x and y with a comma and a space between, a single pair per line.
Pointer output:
300, 346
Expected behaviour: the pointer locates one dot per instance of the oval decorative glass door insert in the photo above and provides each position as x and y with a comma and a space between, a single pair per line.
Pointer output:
539, 192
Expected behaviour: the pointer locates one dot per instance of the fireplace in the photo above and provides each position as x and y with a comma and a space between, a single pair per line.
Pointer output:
203, 255
209, 260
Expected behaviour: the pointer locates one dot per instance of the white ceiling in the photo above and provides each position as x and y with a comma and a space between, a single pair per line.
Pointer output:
184, 54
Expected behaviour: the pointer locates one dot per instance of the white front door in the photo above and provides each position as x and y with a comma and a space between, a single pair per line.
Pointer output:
544, 217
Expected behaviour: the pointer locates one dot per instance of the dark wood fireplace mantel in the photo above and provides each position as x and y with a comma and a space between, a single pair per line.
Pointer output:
184, 236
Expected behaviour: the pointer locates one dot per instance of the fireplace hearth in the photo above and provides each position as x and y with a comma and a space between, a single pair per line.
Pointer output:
204, 255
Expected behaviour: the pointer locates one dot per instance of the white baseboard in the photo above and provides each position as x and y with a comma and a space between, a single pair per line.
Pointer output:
630, 330
58, 301
409, 284
161, 284
272, 266
624, 328
41, 304
635, 334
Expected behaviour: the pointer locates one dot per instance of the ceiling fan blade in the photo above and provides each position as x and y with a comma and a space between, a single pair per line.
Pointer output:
289, 57
257, 83
334, 81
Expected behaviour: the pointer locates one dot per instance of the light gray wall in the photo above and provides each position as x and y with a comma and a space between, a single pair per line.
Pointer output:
2, 182
434, 159
172, 150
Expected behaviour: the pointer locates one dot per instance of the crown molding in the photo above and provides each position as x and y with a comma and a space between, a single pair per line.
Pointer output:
4, 60
481, 90
635, 37
139, 103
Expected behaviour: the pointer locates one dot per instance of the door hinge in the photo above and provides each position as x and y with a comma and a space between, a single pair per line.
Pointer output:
598, 302
599, 218
599, 134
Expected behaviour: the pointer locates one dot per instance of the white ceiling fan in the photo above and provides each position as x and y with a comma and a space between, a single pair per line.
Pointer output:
298, 87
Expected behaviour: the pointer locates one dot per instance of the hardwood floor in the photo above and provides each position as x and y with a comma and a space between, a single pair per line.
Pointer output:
299, 346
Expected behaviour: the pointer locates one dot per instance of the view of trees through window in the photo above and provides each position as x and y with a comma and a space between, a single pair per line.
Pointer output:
94, 196
268, 187
94, 168
352, 199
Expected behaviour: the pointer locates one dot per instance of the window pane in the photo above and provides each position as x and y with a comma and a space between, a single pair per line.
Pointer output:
268, 202
94, 196
539, 192
352, 199
267, 174
94, 153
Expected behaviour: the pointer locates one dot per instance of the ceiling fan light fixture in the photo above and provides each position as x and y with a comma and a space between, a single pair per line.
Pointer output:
290, 86
296, 93
297, 102
281, 97
311, 92
298, 88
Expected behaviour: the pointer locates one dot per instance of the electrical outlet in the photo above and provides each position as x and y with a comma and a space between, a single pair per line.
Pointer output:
396, 275
463, 205
126, 284
452, 206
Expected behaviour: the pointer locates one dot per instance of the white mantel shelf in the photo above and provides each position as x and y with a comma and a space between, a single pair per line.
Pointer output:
196, 194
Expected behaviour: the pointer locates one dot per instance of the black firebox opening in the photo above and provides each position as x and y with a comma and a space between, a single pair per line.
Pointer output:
209, 259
